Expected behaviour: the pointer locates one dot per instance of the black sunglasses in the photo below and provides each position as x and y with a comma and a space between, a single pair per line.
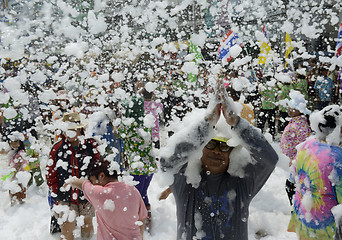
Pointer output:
212, 144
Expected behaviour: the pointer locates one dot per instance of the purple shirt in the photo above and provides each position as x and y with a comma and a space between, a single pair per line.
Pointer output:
294, 133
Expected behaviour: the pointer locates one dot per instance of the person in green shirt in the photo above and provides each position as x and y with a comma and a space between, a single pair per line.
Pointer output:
267, 114
138, 156
283, 93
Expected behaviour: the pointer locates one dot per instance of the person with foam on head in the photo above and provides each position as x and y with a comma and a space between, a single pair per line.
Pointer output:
219, 164
298, 128
295, 132
19, 164
317, 175
70, 158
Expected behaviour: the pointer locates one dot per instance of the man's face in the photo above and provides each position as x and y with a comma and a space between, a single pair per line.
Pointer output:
214, 159
72, 135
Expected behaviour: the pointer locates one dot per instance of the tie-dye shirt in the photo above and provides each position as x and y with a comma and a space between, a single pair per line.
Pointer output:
317, 174
294, 133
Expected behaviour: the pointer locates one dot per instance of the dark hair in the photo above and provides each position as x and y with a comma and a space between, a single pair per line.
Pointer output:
329, 125
233, 93
21, 145
147, 95
97, 167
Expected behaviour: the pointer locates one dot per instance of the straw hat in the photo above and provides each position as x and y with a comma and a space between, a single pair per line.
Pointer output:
74, 120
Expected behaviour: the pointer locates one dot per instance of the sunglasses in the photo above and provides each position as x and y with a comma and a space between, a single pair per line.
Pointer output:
212, 144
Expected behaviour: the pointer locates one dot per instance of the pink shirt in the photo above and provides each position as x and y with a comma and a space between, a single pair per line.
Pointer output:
19, 158
119, 207
294, 133
154, 108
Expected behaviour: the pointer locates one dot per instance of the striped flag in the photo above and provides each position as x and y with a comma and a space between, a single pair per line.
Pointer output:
224, 50
339, 42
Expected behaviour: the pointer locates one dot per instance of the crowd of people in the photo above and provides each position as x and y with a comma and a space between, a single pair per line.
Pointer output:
219, 162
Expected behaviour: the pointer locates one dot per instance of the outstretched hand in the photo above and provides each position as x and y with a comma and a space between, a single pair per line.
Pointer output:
73, 182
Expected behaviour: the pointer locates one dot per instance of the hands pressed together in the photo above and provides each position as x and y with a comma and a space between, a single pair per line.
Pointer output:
222, 103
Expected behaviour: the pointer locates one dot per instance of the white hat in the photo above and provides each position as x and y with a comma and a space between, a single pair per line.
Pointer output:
297, 102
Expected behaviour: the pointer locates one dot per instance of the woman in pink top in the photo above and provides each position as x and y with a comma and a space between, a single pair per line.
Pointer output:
296, 131
120, 210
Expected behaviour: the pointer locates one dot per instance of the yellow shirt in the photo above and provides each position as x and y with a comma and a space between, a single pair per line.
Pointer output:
247, 113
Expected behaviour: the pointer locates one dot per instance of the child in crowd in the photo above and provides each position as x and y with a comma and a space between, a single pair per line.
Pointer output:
295, 132
120, 210
19, 164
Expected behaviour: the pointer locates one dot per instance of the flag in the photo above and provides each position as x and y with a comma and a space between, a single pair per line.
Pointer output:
264, 48
264, 31
198, 56
339, 42
228, 42
194, 49
288, 47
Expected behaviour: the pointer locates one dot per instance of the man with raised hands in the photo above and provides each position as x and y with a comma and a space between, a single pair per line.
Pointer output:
219, 164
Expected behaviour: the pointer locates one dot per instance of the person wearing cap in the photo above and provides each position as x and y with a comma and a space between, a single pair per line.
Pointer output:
70, 158
296, 131
317, 175
215, 179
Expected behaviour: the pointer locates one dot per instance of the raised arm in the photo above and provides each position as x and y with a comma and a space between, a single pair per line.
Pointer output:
186, 143
264, 156
196, 136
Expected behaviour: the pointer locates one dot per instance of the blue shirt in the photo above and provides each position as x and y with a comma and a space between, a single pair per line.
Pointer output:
324, 86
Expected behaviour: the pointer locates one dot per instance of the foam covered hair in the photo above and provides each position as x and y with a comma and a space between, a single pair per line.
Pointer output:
327, 123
